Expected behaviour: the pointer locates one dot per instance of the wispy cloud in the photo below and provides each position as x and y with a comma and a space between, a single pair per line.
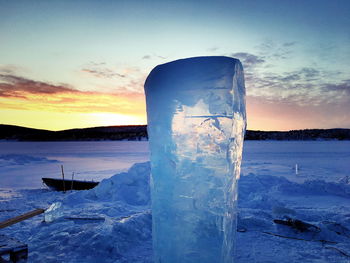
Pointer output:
213, 49
114, 80
153, 56
271, 50
289, 44
343, 88
249, 60
101, 70
12, 69
102, 73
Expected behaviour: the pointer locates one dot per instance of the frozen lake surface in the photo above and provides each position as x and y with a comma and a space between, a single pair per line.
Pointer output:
23, 164
323, 160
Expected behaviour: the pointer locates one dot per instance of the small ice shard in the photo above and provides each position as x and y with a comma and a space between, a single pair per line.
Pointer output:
53, 212
196, 124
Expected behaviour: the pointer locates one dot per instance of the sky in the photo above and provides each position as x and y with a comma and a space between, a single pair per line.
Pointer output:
73, 64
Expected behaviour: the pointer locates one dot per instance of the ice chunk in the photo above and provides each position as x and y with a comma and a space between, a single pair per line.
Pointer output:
196, 124
53, 212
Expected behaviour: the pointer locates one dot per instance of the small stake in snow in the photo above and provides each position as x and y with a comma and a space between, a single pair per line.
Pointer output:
71, 186
64, 187
296, 169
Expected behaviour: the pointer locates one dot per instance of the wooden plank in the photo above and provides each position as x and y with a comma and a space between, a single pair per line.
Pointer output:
20, 218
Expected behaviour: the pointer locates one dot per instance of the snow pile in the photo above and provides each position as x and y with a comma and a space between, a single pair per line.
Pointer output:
131, 187
265, 198
114, 240
110, 223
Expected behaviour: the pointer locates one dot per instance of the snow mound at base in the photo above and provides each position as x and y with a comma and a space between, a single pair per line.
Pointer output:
268, 190
110, 223
264, 198
131, 187
112, 241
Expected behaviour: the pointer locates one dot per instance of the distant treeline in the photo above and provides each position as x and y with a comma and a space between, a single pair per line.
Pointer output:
300, 135
139, 132
131, 133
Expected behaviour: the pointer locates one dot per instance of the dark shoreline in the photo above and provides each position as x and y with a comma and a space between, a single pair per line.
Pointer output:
139, 133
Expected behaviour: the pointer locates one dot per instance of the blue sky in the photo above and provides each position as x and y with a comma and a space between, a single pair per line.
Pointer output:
295, 53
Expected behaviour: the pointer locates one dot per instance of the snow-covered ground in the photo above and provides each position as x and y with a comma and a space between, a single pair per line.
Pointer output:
119, 229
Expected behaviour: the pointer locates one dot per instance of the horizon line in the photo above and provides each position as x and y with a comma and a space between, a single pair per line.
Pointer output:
125, 125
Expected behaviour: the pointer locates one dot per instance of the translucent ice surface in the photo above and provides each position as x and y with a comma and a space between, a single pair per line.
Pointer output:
196, 124
53, 212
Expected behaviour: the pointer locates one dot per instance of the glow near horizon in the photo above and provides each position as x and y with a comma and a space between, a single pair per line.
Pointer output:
105, 49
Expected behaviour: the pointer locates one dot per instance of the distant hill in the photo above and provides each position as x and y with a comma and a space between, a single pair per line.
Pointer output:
139, 132
11, 132
131, 133
300, 135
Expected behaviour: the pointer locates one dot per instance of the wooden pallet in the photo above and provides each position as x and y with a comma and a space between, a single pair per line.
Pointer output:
14, 249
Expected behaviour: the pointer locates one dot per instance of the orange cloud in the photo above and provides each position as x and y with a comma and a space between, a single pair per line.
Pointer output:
24, 94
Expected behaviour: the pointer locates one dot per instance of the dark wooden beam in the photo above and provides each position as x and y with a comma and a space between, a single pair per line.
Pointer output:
20, 218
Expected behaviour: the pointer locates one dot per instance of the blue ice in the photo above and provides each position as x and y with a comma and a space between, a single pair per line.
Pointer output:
196, 124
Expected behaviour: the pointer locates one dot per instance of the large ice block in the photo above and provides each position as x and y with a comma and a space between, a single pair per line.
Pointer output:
196, 124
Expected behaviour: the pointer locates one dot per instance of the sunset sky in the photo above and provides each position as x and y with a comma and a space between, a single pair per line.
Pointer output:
69, 64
